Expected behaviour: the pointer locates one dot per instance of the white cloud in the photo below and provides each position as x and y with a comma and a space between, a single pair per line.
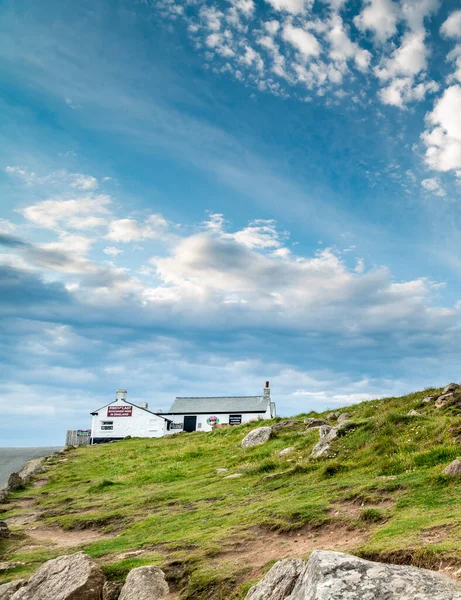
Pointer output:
291, 6
306, 43
343, 49
455, 57
77, 213
83, 182
451, 28
443, 136
112, 251
130, 230
433, 185
409, 59
379, 17
415, 11
77, 181
403, 90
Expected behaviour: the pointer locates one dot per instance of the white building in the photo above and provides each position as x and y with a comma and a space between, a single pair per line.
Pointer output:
201, 413
121, 418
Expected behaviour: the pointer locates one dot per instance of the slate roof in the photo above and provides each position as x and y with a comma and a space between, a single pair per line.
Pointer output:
219, 404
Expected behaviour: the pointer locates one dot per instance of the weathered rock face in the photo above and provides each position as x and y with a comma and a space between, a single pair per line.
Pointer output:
443, 400
314, 423
14, 482
332, 416
111, 590
279, 581
413, 413
451, 387
320, 449
256, 437
144, 583
328, 433
286, 451
337, 576
453, 469
8, 589
73, 577
428, 399
31, 468
343, 417
4, 531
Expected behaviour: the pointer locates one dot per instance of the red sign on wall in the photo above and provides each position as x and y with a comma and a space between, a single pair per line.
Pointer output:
119, 411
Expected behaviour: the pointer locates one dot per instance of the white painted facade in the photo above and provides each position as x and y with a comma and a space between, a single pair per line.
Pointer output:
120, 419
205, 421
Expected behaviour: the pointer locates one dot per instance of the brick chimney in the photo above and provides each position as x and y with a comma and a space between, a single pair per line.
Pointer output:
267, 390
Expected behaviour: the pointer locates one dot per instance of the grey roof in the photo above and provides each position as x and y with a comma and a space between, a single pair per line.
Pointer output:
219, 404
135, 405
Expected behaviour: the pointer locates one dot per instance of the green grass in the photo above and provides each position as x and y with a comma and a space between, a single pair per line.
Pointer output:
165, 497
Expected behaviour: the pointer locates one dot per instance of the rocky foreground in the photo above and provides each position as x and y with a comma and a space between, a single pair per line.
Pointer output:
325, 576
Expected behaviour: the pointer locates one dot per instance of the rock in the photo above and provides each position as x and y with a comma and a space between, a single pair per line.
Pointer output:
275, 475
8, 589
222, 470
14, 482
233, 476
256, 437
328, 433
4, 531
6, 566
31, 468
284, 424
338, 576
453, 469
314, 423
344, 417
428, 399
285, 451
279, 581
451, 387
332, 416
72, 577
111, 590
320, 449
443, 400
414, 413
144, 583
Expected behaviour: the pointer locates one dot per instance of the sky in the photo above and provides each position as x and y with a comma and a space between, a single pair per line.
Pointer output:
198, 196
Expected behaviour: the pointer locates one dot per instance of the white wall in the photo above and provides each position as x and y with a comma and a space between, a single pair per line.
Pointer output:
202, 424
140, 424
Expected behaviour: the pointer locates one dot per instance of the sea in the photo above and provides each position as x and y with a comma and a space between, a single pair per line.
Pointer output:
13, 459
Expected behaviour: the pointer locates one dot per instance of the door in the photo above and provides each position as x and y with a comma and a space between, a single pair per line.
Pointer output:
190, 423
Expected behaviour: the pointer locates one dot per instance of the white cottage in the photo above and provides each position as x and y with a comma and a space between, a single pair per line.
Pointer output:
201, 413
121, 418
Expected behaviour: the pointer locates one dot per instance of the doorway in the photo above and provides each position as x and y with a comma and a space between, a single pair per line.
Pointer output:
190, 423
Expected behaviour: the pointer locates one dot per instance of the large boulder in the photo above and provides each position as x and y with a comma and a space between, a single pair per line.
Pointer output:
443, 400
73, 577
279, 581
144, 583
320, 449
8, 589
14, 482
328, 433
338, 576
453, 469
256, 437
451, 387
31, 468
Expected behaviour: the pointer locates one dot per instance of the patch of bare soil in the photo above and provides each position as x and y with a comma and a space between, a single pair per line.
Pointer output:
23, 519
62, 539
435, 535
266, 546
353, 510
39, 483
24, 503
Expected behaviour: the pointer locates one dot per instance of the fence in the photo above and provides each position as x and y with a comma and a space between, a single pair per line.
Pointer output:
78, 437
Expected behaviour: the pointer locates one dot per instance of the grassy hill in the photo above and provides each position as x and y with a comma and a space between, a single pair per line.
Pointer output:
380, 494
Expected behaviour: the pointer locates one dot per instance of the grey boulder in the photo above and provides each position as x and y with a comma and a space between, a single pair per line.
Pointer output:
314, 423
328, 433
285, 451
344, 417
73, 577
8, 589
144, 583
338, 576
279, 581
451, 387
320, 449
256, 437
413, 413
453, 469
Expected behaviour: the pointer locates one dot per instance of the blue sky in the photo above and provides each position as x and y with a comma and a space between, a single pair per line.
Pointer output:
198, 196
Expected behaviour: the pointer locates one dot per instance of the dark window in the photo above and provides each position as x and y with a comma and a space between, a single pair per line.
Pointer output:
235, 419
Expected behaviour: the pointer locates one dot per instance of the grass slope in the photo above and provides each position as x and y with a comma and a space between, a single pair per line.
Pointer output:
383, 478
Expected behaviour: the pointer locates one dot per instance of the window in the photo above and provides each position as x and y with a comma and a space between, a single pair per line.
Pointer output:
107, 425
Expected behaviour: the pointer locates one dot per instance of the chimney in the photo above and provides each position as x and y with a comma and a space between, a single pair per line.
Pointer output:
267, 390
120, 395
159, 411
144, 405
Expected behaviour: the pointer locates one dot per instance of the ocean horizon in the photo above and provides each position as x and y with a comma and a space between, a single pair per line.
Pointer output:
13, 459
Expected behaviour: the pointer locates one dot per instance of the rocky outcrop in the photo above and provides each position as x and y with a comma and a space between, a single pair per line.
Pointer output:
284, 425
279, 581
73, 577
256, 437
111, 590
144, 583
453, 469
451, 387
286, 451
14, 482
327, 434
338, 576
332, 416
18, 480
7, 590
314, 423
428, 399
344, 417
443, 400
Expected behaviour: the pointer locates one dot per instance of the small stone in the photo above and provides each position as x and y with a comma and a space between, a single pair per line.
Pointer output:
144, 583
332, 416
285, 451
451, 387
256, 437
414, 413
222, 470
314, 423
428, 399
453, 469
233, 476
